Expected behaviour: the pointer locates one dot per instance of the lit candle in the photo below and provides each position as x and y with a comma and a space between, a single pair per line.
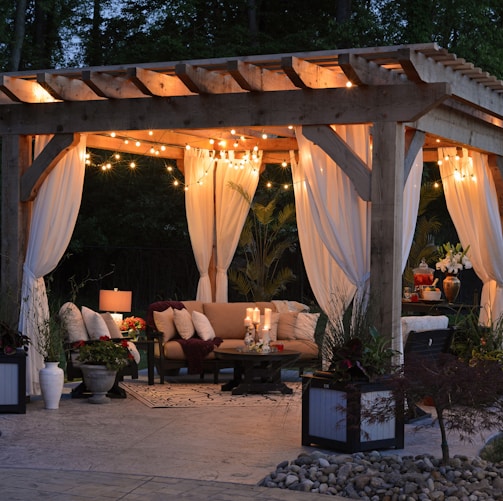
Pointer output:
267, 318
249, 313
248, 321
256, 316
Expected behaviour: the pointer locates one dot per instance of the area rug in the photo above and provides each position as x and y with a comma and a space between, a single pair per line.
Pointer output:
201, 394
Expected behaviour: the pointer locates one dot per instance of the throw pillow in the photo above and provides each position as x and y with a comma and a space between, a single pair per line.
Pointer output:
73, 323
202, 326
112, 326
164, 323
183, 323
305, 326
95, 325
286, 325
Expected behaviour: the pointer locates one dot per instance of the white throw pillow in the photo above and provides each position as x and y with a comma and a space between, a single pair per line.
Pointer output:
183, 323
305, 325
73, 323
164, 323
203, 326
113, 328
95, 325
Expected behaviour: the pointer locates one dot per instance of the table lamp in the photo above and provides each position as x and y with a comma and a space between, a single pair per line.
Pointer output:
116, 302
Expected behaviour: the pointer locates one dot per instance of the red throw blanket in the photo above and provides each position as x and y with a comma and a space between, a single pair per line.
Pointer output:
196, 350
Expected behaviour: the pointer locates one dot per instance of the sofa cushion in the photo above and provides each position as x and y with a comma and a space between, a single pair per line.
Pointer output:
286, 325
73, 323
95, 325
165, 323
203, 326
183, 323
227, 319
112, 326
305, 326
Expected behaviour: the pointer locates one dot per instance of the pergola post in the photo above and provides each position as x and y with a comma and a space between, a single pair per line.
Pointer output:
386, 226
16, 158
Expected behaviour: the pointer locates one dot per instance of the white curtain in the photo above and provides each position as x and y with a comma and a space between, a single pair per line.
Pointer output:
55, 212
341, 217
200, 210
334, 223
325, 276
472, 202
231, 210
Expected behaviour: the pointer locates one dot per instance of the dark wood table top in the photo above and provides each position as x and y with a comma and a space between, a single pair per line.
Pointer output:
237, 354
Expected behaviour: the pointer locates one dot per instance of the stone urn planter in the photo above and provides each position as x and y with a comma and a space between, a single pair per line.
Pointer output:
98, 380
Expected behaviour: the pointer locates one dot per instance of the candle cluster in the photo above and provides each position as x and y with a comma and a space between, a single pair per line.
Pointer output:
256, 339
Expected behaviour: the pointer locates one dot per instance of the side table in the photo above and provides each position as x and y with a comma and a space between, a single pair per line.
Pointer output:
148, 346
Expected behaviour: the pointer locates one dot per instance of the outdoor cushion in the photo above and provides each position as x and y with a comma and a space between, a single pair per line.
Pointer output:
95, 325
164, 322
113, 328
305, 326
202, 326
183, 323
73, 323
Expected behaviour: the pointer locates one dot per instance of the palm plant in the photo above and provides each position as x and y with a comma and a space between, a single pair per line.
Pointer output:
265, 237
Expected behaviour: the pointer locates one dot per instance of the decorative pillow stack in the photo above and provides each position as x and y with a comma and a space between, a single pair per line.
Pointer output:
172, 321
89, 325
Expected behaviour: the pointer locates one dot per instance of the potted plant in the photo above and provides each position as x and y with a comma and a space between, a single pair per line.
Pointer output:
52, 377
101, 359
342, 406
452, 260
13, 349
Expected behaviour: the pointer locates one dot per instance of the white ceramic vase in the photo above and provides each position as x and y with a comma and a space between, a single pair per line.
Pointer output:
98, 380
51, 384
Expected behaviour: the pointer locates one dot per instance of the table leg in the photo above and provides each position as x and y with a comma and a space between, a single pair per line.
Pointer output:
150, 362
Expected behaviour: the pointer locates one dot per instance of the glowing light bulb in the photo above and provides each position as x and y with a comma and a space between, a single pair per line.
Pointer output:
175, 182
113, 134
269, 184
137, 144
150, 132
233, 131
264, 136
283, 164
132, 165
349, 84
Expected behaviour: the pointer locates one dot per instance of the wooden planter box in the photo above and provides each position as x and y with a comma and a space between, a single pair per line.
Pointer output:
326, 422
13, 383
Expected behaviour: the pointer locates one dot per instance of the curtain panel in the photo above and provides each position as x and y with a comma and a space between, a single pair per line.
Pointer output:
471, 199
55, 212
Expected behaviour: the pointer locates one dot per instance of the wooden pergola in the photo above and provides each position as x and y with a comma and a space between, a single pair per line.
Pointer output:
415, 96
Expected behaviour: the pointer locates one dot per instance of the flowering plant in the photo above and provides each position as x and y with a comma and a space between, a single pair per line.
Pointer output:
453, 258
11, 339
133, 323
104, 352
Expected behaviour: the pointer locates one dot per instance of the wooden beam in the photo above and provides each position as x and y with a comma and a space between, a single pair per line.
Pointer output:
402, 103
16, 157
450, 124
199, 80
64, 88
359, 71
414, 141
154, 83
253, 78
41, 167
111, 86
307, 75
386, 227
25, 91
425, 69
342, 154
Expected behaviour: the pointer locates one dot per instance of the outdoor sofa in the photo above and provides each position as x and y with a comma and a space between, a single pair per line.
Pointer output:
222, 324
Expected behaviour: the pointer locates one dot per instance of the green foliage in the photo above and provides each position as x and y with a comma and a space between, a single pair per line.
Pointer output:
493, 450
115, 355
352, 347
264, 239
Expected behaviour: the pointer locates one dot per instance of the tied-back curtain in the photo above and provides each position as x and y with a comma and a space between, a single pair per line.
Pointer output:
231, 210
341, 217
199, 207
472, 202
325, 276
55, 212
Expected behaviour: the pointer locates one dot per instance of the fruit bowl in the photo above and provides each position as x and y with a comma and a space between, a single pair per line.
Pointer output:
429, 295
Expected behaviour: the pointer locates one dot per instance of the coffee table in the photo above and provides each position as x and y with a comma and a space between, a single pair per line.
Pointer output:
256, 372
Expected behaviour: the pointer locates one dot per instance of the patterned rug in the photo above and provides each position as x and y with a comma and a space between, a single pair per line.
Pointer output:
203, 394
